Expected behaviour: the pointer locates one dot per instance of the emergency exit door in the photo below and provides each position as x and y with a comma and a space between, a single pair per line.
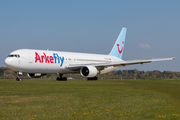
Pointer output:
30, 58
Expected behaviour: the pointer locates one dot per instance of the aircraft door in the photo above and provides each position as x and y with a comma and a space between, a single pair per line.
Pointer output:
30, 58
19, 62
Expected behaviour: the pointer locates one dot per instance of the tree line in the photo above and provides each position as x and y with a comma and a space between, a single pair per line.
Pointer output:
6, 73
136, 74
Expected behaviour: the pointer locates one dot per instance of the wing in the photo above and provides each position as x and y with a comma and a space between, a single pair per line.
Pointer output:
101, 66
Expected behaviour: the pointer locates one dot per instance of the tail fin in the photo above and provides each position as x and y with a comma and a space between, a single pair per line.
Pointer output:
118, 47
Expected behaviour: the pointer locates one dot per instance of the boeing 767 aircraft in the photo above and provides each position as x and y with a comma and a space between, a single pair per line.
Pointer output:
37, 63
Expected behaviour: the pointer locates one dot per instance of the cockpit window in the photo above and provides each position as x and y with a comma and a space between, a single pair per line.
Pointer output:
14, 55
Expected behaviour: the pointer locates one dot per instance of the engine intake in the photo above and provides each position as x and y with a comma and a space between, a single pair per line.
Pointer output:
89, 71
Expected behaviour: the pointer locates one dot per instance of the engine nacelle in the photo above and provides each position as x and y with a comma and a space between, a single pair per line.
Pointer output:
89, 71
35, 75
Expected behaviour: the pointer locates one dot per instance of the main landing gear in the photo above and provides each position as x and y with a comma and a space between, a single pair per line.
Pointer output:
18, 74
60, 78
92, 78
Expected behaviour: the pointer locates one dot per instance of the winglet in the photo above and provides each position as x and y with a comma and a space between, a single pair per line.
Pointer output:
118, 47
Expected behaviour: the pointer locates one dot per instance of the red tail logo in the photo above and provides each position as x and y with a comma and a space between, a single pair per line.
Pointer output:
120, 51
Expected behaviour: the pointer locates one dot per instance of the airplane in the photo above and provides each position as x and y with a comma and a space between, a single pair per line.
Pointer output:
37, 63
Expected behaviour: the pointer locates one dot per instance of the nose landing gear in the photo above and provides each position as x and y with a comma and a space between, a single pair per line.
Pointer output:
18, 78
18, 74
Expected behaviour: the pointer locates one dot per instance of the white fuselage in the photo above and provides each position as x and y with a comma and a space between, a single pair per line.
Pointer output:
40, 62
44, 61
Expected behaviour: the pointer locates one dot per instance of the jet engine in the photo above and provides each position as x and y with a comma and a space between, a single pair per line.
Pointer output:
89, 71
35, 75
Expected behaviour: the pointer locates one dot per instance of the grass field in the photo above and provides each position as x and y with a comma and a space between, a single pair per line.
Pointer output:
90, 100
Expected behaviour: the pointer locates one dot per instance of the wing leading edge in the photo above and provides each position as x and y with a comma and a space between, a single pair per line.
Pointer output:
118, 64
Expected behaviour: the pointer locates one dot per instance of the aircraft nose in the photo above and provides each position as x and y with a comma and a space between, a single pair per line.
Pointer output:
11, 63
7, 62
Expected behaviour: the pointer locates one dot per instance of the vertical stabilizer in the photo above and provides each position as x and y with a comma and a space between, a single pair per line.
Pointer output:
118, 47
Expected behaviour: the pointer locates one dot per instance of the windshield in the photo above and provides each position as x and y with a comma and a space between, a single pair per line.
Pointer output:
14, 55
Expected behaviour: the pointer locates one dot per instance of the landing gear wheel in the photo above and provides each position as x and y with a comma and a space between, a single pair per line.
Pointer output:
64, 78
61, 78
18, 79
92, 78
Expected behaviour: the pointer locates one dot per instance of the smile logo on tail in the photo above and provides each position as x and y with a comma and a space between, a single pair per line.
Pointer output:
120, 51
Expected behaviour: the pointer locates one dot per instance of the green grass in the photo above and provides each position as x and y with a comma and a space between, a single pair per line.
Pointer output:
91, 100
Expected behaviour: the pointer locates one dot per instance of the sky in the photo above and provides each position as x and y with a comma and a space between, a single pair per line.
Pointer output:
92, 26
